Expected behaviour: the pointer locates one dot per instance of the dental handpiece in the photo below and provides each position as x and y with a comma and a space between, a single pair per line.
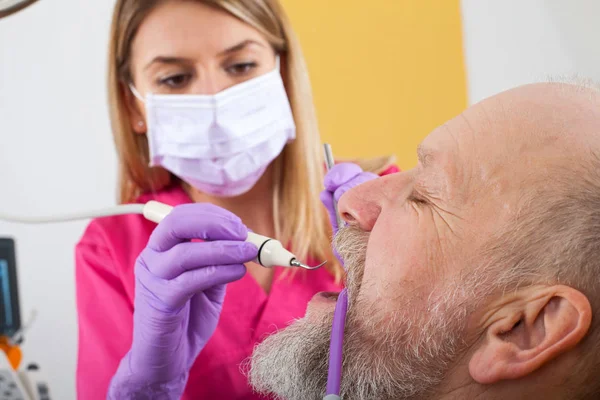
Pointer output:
271, 252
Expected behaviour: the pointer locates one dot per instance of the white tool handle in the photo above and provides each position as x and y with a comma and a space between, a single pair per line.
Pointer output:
270, 251
104, 212
155, 211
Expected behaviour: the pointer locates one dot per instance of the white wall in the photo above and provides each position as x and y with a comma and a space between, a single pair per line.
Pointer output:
512, 42
56, 153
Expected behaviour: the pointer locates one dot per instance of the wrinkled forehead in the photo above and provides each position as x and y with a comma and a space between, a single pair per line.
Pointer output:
516, 137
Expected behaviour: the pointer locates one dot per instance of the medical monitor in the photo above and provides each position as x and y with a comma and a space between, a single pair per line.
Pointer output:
10, 315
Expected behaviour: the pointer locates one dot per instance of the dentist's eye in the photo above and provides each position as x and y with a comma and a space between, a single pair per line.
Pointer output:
175, 81
241, 68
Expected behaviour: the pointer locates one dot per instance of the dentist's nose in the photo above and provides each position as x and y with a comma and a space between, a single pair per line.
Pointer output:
209, 84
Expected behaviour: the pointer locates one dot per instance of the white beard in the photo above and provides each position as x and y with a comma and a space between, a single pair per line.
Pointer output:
400, 356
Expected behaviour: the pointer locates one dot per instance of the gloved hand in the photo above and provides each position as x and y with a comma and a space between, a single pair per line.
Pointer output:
341, 178
179, 292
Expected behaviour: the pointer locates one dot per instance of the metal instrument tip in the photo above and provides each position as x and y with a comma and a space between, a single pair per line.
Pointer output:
296, 263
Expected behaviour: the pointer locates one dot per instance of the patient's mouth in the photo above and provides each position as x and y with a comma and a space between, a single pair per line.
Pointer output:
331, 295
322, 304
326, 297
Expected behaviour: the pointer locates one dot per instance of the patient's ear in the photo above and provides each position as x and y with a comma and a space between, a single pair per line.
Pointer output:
531, 331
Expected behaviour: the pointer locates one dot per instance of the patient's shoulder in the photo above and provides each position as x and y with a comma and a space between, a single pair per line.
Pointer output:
382, 165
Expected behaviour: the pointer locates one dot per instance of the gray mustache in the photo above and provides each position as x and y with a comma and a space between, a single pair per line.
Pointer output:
351, 244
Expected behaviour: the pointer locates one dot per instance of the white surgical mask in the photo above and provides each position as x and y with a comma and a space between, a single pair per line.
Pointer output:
221, 144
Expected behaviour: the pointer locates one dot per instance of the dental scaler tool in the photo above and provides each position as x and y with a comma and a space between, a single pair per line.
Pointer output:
336, 344
270, 251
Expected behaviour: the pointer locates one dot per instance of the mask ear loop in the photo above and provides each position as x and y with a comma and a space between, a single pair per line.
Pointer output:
136, 93
140, 98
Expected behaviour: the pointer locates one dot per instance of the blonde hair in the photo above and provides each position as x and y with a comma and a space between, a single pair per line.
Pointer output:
300, 218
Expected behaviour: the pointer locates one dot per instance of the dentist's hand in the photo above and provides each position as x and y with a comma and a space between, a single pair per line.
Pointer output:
179, 292
341, 178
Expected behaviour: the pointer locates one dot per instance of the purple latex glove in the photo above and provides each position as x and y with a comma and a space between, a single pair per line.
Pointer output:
341, 178
179, 292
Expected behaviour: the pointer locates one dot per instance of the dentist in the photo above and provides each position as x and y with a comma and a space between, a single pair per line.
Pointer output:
212, 113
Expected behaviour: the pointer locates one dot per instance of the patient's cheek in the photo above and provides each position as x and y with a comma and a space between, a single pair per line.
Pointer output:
385, 288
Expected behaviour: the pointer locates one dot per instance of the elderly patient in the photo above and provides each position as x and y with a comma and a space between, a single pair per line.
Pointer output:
475, 275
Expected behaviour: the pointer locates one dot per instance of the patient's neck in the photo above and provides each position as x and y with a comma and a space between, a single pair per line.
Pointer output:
547, 383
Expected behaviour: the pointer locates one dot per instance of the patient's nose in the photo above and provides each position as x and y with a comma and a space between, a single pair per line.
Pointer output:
361, 206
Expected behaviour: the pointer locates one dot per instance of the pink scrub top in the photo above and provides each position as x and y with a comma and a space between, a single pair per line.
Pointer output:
105, 260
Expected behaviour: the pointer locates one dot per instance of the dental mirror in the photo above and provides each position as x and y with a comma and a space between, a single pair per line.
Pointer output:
9, 7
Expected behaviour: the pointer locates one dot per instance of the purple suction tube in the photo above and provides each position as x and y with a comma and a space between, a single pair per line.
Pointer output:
336, 343
334, 375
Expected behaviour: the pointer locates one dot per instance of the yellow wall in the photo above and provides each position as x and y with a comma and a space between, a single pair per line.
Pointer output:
384, 72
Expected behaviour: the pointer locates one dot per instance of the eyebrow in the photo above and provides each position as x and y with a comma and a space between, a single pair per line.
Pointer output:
240, 46
168, 60
183, 60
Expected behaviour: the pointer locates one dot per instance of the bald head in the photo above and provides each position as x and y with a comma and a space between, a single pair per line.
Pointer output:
545, 120
538, 147
474, 275
520, 133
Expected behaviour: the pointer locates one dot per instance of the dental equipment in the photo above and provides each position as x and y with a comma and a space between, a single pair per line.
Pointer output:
9, 7
270, 251
329, 162
336, 343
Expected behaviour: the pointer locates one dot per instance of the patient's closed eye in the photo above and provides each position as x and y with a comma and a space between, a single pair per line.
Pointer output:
417, 198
